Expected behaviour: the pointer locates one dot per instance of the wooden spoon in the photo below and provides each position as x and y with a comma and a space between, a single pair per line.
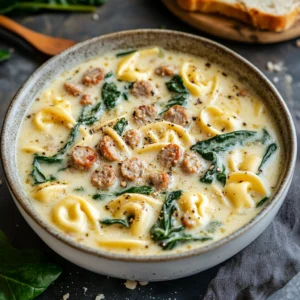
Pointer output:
46, 44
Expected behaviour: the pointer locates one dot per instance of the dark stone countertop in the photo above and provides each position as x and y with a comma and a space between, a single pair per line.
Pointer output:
119, 15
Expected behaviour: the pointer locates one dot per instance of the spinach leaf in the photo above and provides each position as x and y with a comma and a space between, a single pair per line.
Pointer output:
79, 189
101, 196
262, 202
125, 222
176, 85
213, 226
180, 93
208, 149
64, 5
23, 274
164, 232
108, 75
4, 55
146, 190
125, 53
110, 95
120, 126
270, 150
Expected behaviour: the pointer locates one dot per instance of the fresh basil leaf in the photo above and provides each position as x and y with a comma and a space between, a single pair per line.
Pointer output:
23, 274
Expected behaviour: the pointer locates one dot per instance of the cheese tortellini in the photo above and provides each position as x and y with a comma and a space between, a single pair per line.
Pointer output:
49, 191
75, 214
241, 189
242, 161
142, 209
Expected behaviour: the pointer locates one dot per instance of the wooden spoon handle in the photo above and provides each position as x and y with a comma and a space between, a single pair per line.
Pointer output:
45, 44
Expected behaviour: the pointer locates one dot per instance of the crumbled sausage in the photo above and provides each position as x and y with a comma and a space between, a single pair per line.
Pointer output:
83, 157
86, 99
187, 222
73, 89
132, 138
142, 88
108, 149
103, 177
145, 114
177, 115
170, 155
93, 76
132, 168
160, 181
165, 70
191, 164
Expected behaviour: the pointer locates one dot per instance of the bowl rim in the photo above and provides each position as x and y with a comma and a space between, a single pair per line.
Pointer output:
159, 257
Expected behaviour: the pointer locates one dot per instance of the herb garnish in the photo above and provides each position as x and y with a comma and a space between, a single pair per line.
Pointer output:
23, 273
208, 149
110, 94
120, 126
164, 232
125, 53
64, 5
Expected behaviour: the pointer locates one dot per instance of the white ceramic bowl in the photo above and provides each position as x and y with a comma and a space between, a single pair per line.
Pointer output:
166, 266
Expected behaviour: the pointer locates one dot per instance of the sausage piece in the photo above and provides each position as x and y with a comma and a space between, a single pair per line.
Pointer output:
73, 89
93, 76
108, 149
142, 88
145, 114
165, 70
177, 115
191, 164
86, 99
170, 155
132, 138
103, 177
160, 181
132, 168
83, 157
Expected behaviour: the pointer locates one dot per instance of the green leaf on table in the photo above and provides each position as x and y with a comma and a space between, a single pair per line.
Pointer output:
4, 55
23, 274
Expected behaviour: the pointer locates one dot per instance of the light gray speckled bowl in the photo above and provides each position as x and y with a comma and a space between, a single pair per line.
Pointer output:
166, 266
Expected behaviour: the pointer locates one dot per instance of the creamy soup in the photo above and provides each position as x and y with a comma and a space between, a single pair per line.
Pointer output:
147, 152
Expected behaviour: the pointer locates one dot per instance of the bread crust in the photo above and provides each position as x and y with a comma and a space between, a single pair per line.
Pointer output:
255, 17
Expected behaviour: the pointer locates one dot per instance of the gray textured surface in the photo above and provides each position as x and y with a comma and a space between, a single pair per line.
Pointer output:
121, 15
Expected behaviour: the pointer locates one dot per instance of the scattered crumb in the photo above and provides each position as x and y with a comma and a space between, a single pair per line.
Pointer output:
298, 43
143, 283
276, 79
66, 296
95, 17
85, 289
100, 297
275, 67
130, 284
288, 78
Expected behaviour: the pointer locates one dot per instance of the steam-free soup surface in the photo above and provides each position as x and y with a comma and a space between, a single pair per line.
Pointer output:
148, 152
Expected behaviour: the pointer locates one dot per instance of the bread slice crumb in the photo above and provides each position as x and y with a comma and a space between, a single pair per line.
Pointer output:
100, 297
66, 296
130, 284
143, 283
275, 67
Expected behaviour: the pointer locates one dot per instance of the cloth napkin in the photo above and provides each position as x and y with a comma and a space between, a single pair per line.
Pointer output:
267, 264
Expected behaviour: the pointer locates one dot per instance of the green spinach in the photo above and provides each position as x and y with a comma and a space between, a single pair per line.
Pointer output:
125, 222
269, 152
262, 202
164, 232
125, 53
146, 190
23, 273
110, 94
120, 126
4, 55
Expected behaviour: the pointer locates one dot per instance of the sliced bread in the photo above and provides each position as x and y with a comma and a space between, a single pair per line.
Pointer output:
273, 15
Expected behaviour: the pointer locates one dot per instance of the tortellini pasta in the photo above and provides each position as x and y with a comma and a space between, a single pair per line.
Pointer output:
58, 113
75, 214
193, 207
196, 83
142, 209
128, 68
49, 191
241, 189
213, 120
242, 161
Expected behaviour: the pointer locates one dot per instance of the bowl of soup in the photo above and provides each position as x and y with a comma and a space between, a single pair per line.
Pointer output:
148, 154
